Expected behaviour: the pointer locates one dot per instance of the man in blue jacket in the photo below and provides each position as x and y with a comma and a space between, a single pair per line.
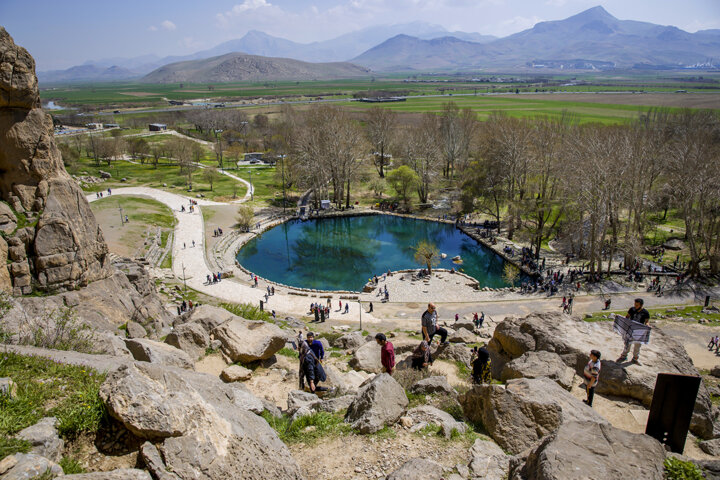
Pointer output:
315, 346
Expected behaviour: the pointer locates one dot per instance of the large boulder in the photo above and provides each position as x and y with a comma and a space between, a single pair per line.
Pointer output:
200, 425
572, 339
299, 398
247, 341
135, 330
462, 335
235, 373
418, 468
349, 341
539, 364
146, 350
454, 352
334, 405
44, 438
519, 414
711, 447
585, 449
191, 338
380, 402
367, 358
8, 220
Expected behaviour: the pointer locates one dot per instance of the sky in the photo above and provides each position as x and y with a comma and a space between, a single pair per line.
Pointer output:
63, 33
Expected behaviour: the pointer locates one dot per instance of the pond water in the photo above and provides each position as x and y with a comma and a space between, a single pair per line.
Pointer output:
343, 253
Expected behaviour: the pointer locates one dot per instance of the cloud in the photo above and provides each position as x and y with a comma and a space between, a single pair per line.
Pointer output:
168, 25
247, 5
152, 28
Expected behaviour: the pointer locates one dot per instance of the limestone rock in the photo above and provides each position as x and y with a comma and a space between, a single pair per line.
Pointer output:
463, 335
539, 364
235, 373
519, 414
572, 339
582, 450
44, 438
367, 358
418, 468
208, 316
435, 416
135, 330
454, 352
191, 338
18, 83
146, 350
488, 461
154, 462
28, 465
674, 244
246, 341
202, 429
436, 384
349, 341
380, 402
299, 398
8, 220
711, 447
715, 372
119, 474
303, 411
334, 405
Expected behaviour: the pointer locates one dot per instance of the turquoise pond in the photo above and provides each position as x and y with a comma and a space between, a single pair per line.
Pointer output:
343, 253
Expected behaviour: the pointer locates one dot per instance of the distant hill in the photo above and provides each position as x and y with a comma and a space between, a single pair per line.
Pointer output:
237, 67
591, 39
87, 73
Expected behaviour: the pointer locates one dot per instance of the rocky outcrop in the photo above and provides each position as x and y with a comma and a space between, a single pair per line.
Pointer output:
428, 414
488, 461
349, 341
519, 414
235, 373
380, 402
24, 466
539, 364
199, 424
247, 341
367, 358
581, 450
572, 339
64, 248
462, 335
208, 316
119, 474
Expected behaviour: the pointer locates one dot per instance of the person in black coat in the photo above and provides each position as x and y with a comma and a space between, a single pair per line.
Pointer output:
310, 369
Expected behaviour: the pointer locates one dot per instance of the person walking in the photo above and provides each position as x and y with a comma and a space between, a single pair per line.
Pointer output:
316, 346
429, 325
481, 372
371, 308
637, 314
387, 352
311, 371
592, 375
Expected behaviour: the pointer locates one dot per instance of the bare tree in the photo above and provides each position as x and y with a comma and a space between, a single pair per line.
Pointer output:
210, 174
380, 126
421, 153
457, 128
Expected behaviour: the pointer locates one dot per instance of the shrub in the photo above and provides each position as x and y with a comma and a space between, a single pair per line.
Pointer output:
11, 446
57, 329
676, 469
70, 466
288, 352
246, 311
308, 428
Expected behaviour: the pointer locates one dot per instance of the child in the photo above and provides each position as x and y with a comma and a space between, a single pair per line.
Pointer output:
592, 374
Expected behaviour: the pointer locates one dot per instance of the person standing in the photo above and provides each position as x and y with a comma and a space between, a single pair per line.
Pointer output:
387, 353
429, 325
481, 372
592, 375
637, 314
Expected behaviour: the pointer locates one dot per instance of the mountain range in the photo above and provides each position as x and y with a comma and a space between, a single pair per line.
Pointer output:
592, 39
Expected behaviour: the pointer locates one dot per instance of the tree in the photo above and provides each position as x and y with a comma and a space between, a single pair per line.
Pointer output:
420, 152
377, 185
138, 147
210, 174
427, 254
403, 179
245, 217
70, 156
457, 128
510, 273
380, 123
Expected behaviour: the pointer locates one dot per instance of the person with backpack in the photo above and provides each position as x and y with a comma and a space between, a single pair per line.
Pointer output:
311, 370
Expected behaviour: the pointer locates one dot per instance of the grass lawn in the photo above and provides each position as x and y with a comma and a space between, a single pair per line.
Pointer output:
693, 311
46, 388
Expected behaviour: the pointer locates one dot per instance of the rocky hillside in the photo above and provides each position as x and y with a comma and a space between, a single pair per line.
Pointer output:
236, 67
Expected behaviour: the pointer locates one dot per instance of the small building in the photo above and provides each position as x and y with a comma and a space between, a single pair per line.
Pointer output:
111, 125
94, 126
157, 127
254, 157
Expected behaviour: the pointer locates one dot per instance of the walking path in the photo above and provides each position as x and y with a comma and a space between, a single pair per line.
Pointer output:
190, 265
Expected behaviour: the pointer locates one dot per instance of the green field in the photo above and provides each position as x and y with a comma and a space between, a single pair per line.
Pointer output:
522, 106
129, 94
